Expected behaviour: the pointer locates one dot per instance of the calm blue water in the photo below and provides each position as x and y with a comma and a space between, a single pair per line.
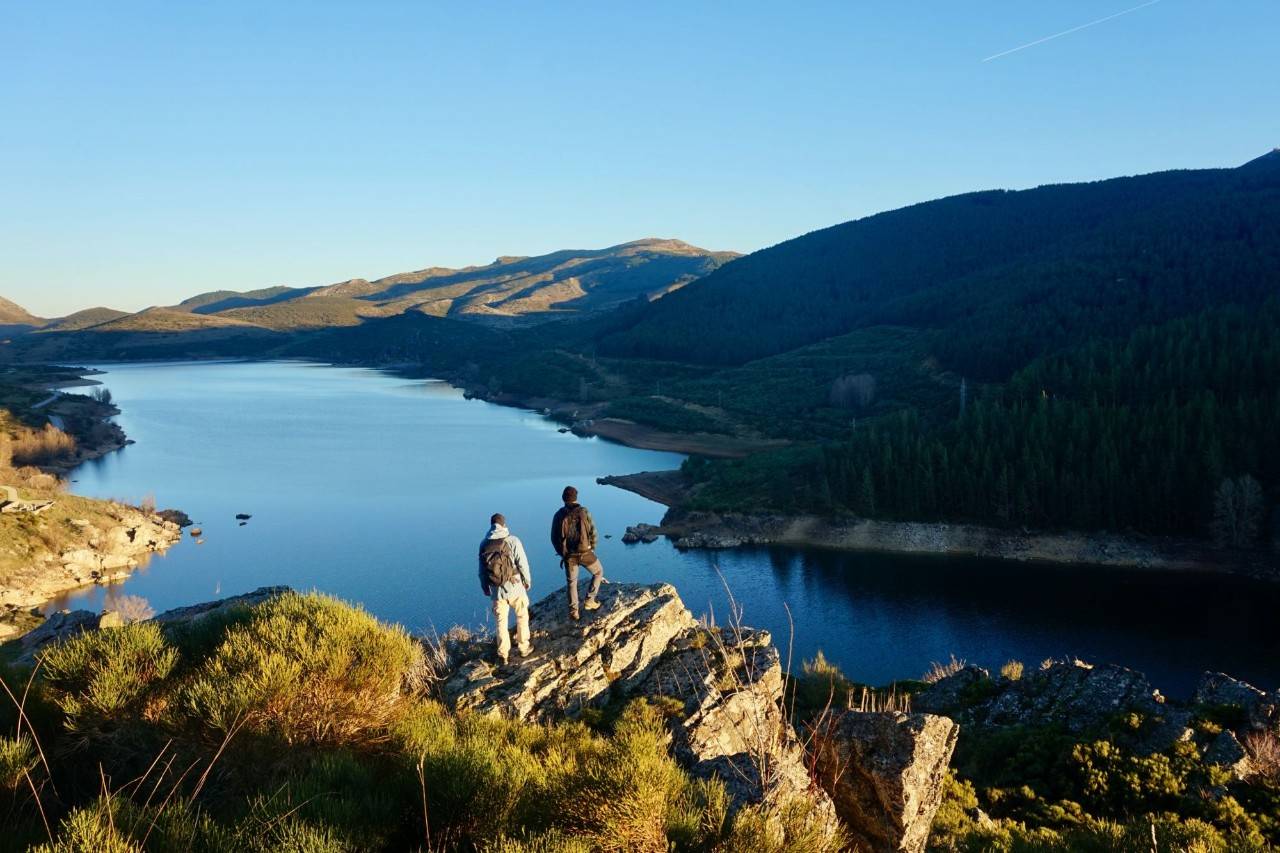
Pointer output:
378, 489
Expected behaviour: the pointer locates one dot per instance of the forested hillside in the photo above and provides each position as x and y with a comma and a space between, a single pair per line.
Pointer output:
1006, 275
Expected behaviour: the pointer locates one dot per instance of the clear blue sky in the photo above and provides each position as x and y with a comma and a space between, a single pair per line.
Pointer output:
149, 151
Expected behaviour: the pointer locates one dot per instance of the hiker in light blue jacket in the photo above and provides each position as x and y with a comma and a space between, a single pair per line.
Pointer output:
505, 578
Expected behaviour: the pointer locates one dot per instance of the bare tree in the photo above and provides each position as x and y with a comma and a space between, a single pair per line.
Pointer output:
1237, 512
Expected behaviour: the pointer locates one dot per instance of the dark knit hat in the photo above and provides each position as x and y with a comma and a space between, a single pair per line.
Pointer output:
499, 519
569, 495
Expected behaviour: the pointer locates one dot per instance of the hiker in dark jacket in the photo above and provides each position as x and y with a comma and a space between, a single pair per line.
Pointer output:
505, 578
573, 535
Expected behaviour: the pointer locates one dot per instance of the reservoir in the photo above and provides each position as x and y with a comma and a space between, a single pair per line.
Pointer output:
378, 490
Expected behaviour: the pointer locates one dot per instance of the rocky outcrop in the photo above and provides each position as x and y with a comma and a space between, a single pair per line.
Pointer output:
575, 665
66, 624
722, 689
198, 611
1074, 694
104, 550
56, 627
885, 773
645, 533
1261, 710
730, 723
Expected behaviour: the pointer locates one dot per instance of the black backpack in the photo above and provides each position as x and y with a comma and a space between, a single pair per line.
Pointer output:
499, 568
575, 531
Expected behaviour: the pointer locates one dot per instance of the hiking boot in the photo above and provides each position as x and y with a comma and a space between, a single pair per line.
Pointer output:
591, 605
502, 660
526, 651
573, 614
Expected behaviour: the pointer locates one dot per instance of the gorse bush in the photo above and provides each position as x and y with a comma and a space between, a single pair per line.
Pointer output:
17, 758
305, 669
103, 679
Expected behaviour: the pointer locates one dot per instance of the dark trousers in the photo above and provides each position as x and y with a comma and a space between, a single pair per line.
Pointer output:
571, 580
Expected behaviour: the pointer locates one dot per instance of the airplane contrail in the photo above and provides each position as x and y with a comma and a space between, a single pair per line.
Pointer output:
1070, 31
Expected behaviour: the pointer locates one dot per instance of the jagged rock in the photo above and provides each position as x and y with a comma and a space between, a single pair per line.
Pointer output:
885, 773
575, 664
643, 642
1227, 751
731, 725
1261, 709
953, 694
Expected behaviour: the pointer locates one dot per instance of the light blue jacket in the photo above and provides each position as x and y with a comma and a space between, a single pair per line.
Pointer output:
514, 589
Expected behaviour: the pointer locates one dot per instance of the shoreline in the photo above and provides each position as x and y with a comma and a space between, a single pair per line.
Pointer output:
735, 529
691, 529
103, 541
583, 420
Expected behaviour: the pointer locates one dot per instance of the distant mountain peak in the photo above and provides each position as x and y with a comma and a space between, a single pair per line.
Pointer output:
11, 313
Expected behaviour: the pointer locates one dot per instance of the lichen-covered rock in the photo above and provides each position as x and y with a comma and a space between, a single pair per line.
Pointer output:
731, 723
956, 693
1218, 690
1227, 751
574, 665
722, 690
1072, 694
885, 773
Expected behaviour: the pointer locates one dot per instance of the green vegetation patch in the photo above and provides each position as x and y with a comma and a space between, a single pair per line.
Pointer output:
301, 724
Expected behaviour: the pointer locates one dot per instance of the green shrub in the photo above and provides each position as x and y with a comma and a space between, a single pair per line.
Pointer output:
798, 826
819, 685
624, 795
17, 757
102, 679
306, 669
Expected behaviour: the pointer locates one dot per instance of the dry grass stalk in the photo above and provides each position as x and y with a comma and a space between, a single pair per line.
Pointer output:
939, 671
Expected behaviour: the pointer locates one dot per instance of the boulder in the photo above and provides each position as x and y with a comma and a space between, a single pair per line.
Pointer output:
1228, 752
1261, 710
1075, 694
885, 772
955, 693
731, 724
575, 665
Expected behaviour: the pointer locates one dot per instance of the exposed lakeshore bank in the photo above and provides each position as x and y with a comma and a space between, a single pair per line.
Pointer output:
716, 530
585, 419
76, 541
